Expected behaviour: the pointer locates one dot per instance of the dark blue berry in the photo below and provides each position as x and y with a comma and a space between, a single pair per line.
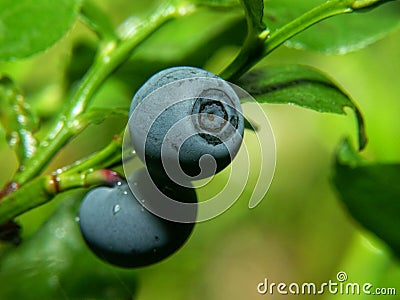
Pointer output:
119, 230
208, 124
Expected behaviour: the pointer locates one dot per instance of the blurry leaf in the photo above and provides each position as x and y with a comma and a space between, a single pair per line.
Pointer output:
47, 101
28, 27
254, 13
303, 86
180, 37
97, 20
217, 3
81, 58
56, 264
113, 94
371, 193
339, 34
18, 120
216, 32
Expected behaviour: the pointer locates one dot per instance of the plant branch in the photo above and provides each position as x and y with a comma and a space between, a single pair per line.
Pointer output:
248, 57
253, 46
90, 171
314, 16
43, 188
107, 60
105, 158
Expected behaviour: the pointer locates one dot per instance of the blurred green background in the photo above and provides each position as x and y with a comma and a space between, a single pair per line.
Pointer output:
300, 232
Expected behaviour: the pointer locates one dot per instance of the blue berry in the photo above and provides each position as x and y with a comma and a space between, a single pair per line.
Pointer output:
119, 230
201, 132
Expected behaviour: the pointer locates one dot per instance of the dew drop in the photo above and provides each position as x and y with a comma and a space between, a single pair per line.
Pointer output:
116, 209
77, 219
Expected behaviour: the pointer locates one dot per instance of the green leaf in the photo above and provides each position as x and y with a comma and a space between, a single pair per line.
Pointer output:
254, 13
371, 193
303, 86
185, 38
18, 120
339, 34
28, 27
55, 263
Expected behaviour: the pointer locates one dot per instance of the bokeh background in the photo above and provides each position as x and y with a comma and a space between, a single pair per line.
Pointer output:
300, 232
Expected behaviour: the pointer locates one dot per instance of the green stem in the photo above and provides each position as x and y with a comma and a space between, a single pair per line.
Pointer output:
253, 46
252, 51
23, 199
64, 182
250, 54
43, 189
112, 56
85, 173
314, 16
105, 158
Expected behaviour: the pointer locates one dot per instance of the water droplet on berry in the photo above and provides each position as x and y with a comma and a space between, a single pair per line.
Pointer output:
116, 209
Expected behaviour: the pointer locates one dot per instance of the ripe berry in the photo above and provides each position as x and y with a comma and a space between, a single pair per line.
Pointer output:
119, 230
187, 118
